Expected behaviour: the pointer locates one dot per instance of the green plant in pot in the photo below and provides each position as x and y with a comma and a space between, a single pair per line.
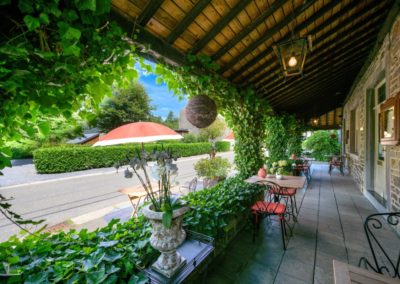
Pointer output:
212, 170
165, 211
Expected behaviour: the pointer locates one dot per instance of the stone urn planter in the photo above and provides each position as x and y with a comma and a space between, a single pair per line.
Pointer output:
166, 240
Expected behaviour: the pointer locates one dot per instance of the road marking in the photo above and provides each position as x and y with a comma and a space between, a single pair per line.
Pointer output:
100, 173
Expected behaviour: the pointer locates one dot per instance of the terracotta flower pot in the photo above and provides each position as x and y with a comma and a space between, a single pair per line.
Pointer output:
262, 173
166, 240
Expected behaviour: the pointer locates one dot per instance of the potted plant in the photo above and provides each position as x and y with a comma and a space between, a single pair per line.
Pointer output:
279, 168
212, 170
165, 211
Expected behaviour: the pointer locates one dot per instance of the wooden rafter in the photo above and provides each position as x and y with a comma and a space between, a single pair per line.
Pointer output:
298, 11
220, 25
247, 30
329, 71
149, 12
314, 31
326, 48
360, 26
342, 47
297, 29
187, 20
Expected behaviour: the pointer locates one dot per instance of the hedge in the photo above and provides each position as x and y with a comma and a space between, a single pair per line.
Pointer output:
68, 159
113, 254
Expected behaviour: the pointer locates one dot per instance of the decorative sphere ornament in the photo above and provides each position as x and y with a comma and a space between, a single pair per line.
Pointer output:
201, 111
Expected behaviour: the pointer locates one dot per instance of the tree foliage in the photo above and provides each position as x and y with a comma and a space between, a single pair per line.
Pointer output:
215, 130
57, 58
127, 105
322, 144
171, 120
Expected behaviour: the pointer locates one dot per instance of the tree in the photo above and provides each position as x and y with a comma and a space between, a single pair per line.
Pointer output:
127, 105
322, 144
215, 130
171, 121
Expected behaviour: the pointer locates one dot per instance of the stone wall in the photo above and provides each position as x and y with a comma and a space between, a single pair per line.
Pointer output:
385, 65
394, 89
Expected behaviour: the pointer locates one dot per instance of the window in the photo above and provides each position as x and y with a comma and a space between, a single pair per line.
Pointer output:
354, 131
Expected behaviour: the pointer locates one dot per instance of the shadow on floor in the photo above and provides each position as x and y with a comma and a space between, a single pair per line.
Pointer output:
330, 226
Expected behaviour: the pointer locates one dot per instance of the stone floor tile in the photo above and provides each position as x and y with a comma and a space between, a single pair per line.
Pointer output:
330, 226
283, 278
300, 269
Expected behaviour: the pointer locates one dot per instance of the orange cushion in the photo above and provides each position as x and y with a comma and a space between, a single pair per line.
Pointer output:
285, 191
268, 207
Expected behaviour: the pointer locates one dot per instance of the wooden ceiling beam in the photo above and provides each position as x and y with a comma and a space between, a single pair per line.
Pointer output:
159, 48
292, 95
327, 77
317, 29
149, 12
331, 53
318, 66
187, 20
225, 20
358, 27
309, 91
248, 29
298, 11
297, 29
288, 95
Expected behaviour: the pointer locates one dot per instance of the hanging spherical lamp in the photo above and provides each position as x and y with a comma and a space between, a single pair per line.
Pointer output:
201, 111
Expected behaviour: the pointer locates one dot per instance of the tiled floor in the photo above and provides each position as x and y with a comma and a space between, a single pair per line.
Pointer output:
330, 226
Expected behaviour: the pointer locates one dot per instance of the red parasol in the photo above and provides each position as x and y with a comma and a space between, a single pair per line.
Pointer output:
137, 132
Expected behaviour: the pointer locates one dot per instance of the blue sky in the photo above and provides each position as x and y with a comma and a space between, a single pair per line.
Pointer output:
161, 97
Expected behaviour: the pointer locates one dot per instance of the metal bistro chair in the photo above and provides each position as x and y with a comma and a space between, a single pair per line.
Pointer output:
336, 162
385, 260
271, 205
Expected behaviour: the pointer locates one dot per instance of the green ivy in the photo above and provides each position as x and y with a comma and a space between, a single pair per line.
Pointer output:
115, 253
57, 58
245, 112
284, 136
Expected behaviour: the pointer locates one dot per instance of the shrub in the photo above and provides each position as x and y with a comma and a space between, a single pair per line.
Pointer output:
68, 159
322, 145
212, 168
113, 253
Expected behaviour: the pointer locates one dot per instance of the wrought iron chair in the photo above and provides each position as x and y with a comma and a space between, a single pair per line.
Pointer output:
336, 162
383, 262
270, 205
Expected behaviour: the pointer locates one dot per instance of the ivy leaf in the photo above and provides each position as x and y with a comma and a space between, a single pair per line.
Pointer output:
25, 6
44, 128
97, 276
38, 278
86, 5
72, 50
71, 15
67, 32
103, 7
138, 279
44, 18
31, 22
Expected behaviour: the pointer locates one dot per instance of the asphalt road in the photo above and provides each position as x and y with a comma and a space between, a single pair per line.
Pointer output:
61, 199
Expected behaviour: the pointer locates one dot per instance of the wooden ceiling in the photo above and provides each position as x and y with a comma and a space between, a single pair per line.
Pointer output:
239, 34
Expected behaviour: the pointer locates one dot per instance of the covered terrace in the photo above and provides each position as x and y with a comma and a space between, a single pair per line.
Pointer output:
240, 37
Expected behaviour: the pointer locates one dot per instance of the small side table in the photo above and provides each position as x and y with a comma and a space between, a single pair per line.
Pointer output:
195, 249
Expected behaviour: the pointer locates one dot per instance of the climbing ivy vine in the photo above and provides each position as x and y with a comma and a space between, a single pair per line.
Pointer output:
284, 136
57, 58
244, 111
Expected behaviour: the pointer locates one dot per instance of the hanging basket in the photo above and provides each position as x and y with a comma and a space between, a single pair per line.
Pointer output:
201, 111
